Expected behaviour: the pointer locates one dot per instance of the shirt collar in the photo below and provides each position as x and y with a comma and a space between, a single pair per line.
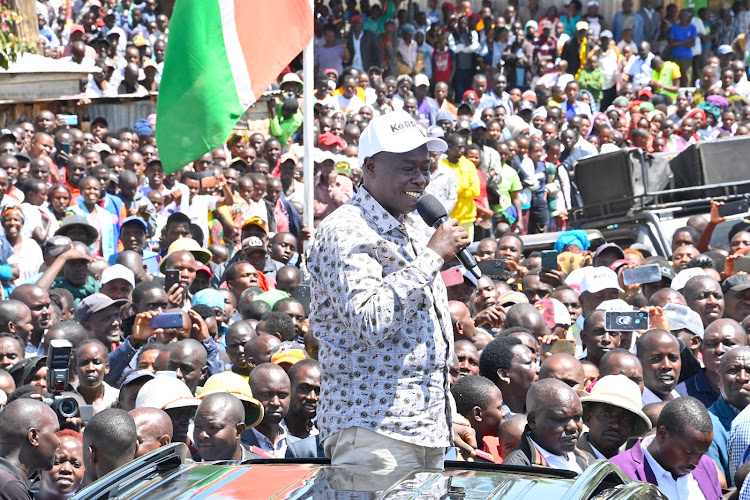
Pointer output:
374, 212
659, 471
597, 452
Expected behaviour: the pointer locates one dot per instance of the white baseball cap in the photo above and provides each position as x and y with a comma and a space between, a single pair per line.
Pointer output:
118, 272
420, 80
615, 305
598, 279
395, 132
165, 392
679, 281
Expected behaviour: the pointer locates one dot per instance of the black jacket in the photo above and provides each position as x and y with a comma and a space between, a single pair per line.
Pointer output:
370, 48
527, 454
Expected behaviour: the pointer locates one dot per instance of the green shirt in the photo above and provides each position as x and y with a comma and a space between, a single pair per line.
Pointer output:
282, 128
509, 183
593, 81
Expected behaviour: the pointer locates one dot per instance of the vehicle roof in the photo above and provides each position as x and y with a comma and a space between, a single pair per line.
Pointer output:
145, 478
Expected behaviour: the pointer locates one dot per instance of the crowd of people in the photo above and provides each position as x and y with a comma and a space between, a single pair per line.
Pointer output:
99, 242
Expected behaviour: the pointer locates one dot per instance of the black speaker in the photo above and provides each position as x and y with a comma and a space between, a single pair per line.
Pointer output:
725, 160
614, 183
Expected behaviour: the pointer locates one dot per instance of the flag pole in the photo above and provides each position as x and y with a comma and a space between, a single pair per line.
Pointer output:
308, 69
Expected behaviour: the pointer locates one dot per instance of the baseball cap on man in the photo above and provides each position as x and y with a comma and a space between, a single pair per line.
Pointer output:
724, 50
736, 283
253, 243
395, 132
445, 115
598, 279
289, 353
420, 80
165, 392
683, 318
95, 303
118, 272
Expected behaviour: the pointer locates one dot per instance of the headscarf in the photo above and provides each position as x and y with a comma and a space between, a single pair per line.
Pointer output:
470, 92
697, 113
593, 122
577, 237
718, 101
539, 112
515, 125
708, 107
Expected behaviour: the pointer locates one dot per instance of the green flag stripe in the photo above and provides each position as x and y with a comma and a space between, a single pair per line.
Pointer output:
198, 103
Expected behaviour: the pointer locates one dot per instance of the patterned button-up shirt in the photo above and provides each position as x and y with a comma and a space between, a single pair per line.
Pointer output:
380, 310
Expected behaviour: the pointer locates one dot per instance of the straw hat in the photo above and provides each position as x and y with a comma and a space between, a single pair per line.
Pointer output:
201, 254
620, 391
236, 385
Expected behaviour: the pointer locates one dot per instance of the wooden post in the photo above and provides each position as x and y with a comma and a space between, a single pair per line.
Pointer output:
29, 27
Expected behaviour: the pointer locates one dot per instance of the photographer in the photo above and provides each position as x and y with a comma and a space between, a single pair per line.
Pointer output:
28, 443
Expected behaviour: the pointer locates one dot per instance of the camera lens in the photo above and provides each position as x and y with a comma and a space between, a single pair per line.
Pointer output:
65, 407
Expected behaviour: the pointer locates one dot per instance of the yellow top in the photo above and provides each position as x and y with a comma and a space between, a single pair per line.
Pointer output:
468, 189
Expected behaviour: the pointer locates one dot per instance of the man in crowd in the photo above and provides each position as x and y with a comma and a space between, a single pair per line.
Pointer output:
677, 450
554, 426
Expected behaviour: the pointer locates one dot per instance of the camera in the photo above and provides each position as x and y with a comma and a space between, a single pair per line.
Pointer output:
58, 363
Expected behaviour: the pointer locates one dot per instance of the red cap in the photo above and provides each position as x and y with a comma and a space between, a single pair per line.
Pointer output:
77, 27
646, 92
329, 139
356, 19
205, 268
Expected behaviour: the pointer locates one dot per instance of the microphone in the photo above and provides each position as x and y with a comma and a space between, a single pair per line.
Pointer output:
434, 214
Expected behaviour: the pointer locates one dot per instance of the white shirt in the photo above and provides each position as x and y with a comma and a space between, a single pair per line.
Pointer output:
640, 69
698, 23
32, 219
357, 59
682, 488
649, 397
198, 209
346, 105
608, 67
565, 462
277, 449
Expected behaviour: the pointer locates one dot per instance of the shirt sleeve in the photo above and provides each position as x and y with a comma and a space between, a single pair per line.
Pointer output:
118, 362
374, 306
515, 183
213, 359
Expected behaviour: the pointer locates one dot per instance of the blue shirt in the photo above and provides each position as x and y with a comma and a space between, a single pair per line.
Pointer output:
680, 33
722, 414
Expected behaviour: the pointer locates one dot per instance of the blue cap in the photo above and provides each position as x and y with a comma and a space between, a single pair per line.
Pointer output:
478, 124
445, 115
137, 219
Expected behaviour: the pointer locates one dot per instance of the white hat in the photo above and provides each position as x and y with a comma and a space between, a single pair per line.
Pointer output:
165, 392
605, 34
683, 318
420, 80
593, 3
620, 391
118, 272
319, 156
678, 283
614, 305
598, 279
395, 132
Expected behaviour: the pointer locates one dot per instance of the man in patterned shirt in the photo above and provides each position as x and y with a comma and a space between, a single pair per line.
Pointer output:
380, 310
